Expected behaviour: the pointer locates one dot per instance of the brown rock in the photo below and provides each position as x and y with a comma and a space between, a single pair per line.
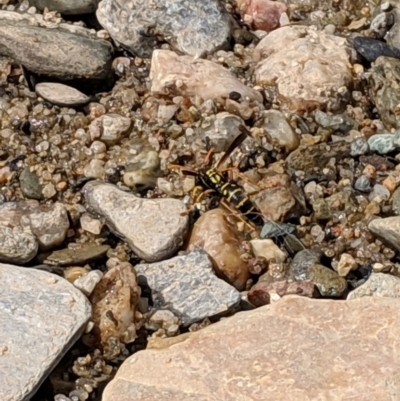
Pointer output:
114, 302
296, 349
307, 158
263, 14
276, 199
219, 237
264, 292
175, 75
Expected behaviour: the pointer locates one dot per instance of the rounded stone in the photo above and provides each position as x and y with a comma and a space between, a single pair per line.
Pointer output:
61, 95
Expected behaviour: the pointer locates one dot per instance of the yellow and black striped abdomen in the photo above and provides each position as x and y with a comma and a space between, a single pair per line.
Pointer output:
240, 201
232, 193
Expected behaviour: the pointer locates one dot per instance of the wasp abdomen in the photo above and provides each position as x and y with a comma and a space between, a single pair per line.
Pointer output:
240, 201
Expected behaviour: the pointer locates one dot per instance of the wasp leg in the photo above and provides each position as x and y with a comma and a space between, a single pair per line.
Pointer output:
196, 199
202, 195
238, 215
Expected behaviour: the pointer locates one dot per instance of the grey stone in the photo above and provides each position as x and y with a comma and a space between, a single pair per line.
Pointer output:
384, 89
55, 52
190, 27
382, 143
379, 191
306, 266
378, 285
142, 170
359, 147
30, 185
154, 228
109, 128
224, 130
387, 229
49, 223
17, 245
61, 95
301, 262
279, 130
188, 287
78, 255
380, 23
393, 35
273, 229
336, 122
68, 7
42, 316
297, 349
396, 201
88, 282
363, 184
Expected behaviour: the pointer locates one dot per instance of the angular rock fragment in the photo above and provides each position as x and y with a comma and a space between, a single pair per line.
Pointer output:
202, 26
154, 228
88, 281
378, 285
77, 255
109, 128
42, 316
264, 292
188, 286
61, 95
306, 67
175, 75
17, 245
55, 52
276, 346
114, 303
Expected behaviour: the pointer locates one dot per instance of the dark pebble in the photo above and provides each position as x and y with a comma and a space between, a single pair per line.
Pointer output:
363, 184
371, 49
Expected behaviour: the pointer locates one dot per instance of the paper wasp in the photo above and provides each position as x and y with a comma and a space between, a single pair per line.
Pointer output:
214, 181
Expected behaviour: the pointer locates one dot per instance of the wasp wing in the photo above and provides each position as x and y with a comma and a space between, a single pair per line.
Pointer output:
235, 143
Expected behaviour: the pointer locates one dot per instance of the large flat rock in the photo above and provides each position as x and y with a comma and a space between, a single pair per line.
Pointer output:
297, 349
41, 315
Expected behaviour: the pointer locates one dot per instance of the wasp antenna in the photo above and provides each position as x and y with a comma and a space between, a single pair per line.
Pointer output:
183, 169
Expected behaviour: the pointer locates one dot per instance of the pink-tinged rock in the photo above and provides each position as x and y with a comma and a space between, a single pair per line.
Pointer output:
175, 75
263, 14
306, 67
297, 349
